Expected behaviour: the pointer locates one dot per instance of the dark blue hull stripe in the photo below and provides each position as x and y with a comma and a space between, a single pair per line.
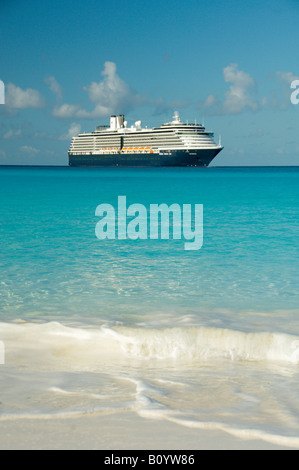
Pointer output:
171, 159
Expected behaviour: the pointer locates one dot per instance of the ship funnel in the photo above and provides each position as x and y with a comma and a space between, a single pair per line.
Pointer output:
113, 123
120, 121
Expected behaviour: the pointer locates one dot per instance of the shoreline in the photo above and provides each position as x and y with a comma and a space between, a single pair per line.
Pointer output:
126, 431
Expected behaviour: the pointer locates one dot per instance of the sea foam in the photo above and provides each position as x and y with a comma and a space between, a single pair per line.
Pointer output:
79, 347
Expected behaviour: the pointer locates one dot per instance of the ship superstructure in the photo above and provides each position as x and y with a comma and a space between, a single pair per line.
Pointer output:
172, 144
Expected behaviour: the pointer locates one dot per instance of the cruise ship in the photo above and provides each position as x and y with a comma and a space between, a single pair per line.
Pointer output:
174, 144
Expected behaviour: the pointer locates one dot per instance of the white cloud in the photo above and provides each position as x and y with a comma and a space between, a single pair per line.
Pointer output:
29, 150
239, 97
286, 77
11, 134
111, 95
54, 86
21, 99
210, 101
74, 130
66, 111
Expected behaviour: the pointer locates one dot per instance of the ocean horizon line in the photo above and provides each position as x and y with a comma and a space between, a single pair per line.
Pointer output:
153, 168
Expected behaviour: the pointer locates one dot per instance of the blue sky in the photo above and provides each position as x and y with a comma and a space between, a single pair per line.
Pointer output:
68, 65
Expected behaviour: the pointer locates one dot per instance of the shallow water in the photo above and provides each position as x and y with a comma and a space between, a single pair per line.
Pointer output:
207, 339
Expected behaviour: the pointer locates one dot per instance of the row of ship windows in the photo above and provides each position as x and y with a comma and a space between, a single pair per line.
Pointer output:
145, 136
130, 150
140, 142
91, 147
142, 135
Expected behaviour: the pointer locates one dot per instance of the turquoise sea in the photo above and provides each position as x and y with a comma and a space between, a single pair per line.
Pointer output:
203, 339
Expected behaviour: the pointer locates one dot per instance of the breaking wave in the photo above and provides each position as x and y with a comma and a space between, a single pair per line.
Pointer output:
132, 376
53, 340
